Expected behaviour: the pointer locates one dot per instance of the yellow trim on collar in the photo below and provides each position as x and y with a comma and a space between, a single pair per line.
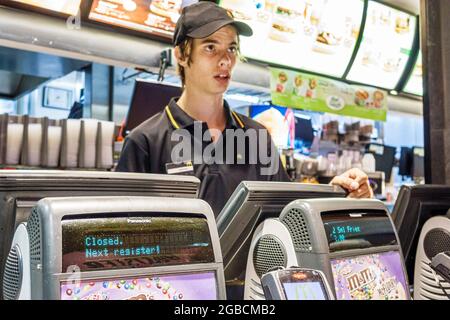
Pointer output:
176, 126
238, 119
172, 120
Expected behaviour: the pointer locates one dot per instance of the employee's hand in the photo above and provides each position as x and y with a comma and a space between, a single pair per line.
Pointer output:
356, 182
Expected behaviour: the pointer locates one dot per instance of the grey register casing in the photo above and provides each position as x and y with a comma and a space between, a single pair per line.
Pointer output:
434, 239
21, 189
298, 238
249, 205
44, 235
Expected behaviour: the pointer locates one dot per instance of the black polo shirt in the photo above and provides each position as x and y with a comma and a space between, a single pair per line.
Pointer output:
148, 149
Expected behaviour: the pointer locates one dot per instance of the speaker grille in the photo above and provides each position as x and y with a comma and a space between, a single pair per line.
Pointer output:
269, 253
433, 286
435, 242
34, 232
12, 280
296, 224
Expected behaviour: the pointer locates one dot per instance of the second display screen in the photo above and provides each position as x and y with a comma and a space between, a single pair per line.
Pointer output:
370, 277
349, 231
193, 286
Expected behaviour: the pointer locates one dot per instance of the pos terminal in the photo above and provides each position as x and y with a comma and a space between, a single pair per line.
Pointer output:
353, 242
296, 284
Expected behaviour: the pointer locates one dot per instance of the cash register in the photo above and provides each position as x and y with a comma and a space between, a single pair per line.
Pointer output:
353, 242
110, 248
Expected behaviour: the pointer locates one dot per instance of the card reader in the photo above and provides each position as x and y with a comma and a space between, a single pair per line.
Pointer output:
296, 284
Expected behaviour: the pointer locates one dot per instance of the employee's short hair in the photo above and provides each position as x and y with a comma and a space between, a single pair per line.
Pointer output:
198, 21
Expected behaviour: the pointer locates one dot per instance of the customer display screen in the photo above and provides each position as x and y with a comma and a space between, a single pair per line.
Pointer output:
318, 36
303, 285
151, 16
134, 242
385, 48
69, 7
355, 230
370, 277
191, 286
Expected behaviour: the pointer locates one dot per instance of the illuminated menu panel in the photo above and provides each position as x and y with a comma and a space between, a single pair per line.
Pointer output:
385, 48
314, 35
151, 16
69, 7
124, 243
415, 82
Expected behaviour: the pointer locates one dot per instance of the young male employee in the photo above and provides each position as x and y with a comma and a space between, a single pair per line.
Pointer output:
206, 42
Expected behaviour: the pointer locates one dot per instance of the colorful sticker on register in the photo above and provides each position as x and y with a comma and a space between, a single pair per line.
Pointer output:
196, 286
370, 277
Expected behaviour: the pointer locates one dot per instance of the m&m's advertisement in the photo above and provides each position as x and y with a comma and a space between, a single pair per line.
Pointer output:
370, 277
195, 286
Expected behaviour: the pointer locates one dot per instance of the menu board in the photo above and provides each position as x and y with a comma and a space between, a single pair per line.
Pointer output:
385, 48
415, 82
151, 16
69, 7
313, 35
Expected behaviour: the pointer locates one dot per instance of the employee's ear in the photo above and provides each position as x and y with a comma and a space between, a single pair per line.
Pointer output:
182, 60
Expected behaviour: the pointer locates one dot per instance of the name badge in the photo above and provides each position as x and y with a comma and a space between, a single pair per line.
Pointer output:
184, 168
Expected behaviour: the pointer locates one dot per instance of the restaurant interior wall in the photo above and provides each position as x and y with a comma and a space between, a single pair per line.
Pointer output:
68, 86
8, 106
100, 92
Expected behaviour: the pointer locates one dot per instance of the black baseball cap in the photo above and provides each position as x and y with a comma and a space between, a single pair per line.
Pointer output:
200, 20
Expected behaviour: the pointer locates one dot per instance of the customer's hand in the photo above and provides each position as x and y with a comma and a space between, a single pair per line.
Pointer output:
356, 182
